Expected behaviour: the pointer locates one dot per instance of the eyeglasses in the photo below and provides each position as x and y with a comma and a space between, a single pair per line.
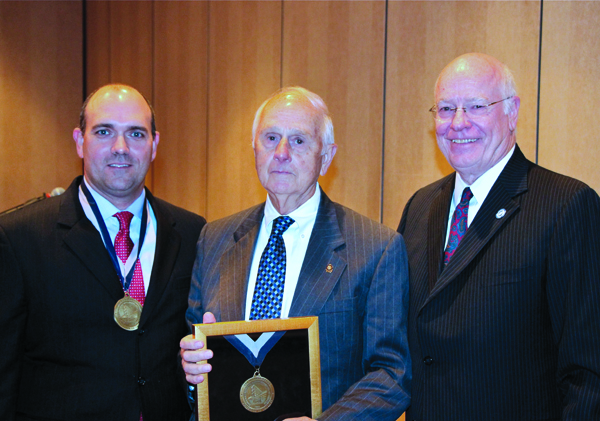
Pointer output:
472, 110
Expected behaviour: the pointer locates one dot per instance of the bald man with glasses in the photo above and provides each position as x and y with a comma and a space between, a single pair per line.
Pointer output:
504, 314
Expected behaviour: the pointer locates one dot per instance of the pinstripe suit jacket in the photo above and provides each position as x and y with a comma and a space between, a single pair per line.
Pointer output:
62, 356
361, 305
510, 329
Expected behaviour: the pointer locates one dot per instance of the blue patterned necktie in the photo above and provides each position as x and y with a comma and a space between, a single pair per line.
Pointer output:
459, 224
270, 280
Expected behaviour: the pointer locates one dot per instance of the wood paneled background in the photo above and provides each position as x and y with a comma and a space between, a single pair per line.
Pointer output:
207, 66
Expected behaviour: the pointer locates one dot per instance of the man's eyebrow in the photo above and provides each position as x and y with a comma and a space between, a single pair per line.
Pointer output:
465, 100
140, 128
103, 126
112, 126
278, 130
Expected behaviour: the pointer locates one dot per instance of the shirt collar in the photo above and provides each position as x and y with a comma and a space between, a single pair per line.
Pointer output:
305, 213
107, 209
482, 186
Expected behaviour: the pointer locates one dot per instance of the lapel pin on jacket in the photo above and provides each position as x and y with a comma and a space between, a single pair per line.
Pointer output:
500, 213
329, 268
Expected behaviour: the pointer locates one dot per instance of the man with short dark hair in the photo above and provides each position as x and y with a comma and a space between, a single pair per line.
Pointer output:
338, 265
95, 282
504, 320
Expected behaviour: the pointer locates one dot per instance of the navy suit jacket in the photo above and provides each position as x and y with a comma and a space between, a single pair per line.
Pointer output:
361, 304
62, 356
510, 329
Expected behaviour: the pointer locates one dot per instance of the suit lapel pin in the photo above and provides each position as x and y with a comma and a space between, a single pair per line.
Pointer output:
329, 268
500, 213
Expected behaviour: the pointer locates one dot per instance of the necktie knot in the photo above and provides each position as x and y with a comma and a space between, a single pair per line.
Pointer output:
124, 218
281, 224
123, 243
467, 195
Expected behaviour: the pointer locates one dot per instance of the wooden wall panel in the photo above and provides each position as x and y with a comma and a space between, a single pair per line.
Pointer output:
40, 95
569, 91
244, 69
336, 49
180, 101
422, 38
98, 36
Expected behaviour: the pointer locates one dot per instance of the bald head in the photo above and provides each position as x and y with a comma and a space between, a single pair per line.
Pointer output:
472, 65
299, 94
114, 88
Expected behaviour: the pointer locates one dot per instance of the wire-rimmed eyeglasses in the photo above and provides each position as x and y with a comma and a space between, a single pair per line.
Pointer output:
471, 110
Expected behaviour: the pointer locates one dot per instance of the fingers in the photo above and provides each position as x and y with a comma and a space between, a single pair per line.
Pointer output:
208, 317
192, 353
194, 373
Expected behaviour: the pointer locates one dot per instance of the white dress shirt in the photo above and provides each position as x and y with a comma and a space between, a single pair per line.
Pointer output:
480, 189
107, 210
296, 239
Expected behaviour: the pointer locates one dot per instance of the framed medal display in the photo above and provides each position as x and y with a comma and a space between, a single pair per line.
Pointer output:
262, 370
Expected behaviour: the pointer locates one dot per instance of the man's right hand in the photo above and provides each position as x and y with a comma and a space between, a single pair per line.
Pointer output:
191, 353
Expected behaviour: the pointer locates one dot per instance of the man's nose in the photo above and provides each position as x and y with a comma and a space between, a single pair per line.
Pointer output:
120, 146
282, 152
460, 120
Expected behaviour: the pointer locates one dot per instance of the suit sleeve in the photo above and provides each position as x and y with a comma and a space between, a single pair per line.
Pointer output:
384, 392
573, 288
195, 311
13, 317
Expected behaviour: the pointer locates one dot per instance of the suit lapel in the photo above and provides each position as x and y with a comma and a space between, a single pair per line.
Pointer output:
85, 241
495, 211
234, 267
436, 231
168, 242
323, 265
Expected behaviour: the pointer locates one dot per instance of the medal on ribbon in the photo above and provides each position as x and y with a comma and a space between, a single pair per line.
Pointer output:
257, 393
128, 311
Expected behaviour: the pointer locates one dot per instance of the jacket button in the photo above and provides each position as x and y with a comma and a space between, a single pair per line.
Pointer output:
141, 381
141, 332
428, 360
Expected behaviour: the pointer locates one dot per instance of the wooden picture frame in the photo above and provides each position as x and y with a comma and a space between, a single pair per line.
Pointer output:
301, 336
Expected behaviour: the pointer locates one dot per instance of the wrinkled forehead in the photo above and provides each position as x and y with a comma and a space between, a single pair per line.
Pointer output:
291, 112
468, 80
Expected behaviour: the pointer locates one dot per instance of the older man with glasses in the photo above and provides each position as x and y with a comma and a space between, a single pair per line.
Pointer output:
504, 314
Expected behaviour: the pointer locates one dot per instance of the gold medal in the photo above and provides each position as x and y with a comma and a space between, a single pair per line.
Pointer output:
128, 312
257, 393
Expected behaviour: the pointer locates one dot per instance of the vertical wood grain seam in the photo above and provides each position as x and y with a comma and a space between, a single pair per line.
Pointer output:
385, 45
281, 49
207, 125
539, 84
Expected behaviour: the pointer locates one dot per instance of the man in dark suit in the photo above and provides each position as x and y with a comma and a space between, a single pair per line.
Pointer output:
74, 345
504, 319
344, 268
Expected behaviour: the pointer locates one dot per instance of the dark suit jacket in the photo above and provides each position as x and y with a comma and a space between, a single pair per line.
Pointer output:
361, 304
510, 329
62, 355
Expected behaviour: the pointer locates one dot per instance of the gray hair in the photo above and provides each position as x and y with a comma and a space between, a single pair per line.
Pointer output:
508, 87
326, 129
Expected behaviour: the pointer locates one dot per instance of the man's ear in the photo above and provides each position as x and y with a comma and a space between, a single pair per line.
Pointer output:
513, 114
330, 151
78, 138
155, 144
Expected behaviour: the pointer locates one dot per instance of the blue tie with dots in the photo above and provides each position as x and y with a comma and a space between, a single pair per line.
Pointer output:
270, 280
